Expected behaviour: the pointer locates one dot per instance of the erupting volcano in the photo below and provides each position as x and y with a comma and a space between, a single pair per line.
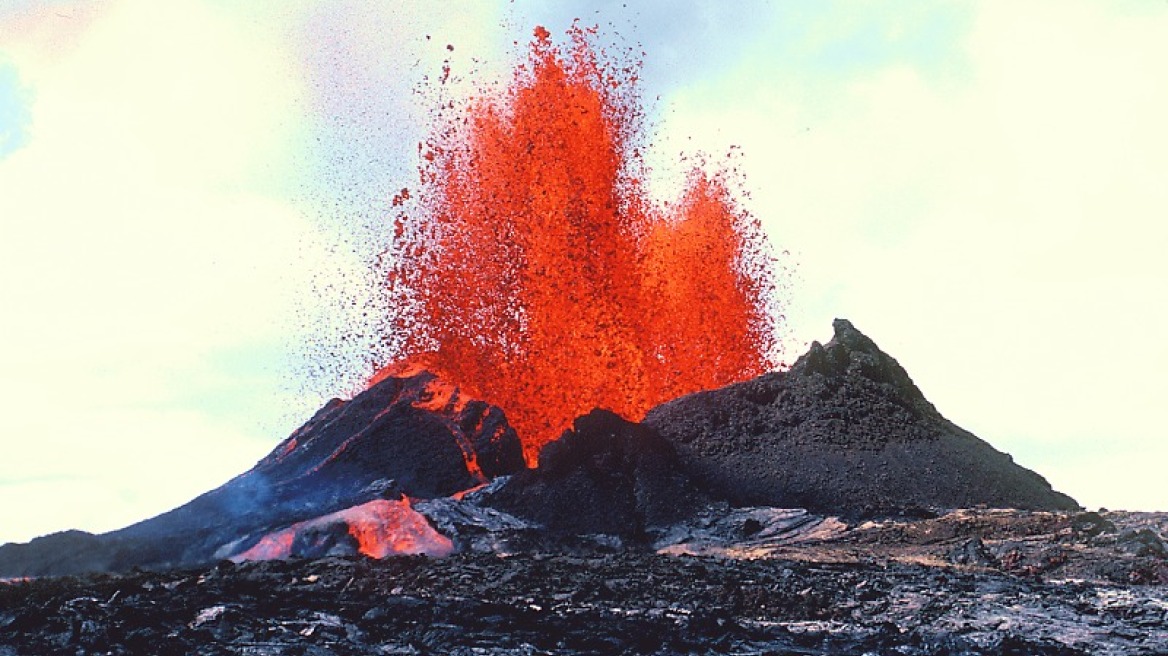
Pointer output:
583, 426
532, 269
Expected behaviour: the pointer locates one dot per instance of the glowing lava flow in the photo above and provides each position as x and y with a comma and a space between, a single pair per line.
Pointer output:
537, 275
377, 529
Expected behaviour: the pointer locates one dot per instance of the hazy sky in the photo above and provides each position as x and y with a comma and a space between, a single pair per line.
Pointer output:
186, 189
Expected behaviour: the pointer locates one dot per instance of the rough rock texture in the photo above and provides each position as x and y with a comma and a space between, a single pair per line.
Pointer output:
621, 603
416, 436
1028, 543
605, 475
845, 430
747, 532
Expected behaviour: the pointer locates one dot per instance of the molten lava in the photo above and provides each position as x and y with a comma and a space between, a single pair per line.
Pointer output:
535, 273
377, 529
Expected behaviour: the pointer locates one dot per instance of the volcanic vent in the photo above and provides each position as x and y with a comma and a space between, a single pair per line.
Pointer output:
606, 475
400, 469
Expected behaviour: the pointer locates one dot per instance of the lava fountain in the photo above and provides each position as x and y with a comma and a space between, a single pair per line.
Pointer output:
531, 268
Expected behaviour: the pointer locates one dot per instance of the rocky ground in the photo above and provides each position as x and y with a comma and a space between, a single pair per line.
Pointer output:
768, 582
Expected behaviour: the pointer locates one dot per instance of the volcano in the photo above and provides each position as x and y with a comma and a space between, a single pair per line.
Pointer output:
575, 448
411, 465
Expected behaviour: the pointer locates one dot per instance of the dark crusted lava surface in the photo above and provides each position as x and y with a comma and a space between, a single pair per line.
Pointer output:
966, 583
584, 604
845, 430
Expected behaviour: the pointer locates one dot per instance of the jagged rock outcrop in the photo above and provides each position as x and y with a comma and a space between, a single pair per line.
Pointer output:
606, 475
415, 436
845, 430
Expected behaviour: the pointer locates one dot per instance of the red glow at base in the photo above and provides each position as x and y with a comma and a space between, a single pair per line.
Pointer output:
384, 528
535, 273
381, 528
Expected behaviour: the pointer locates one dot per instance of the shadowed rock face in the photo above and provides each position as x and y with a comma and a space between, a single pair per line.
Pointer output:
415, 436
844, 431
605, 475
418, 432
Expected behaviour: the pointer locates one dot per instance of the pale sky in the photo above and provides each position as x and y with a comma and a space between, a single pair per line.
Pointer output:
187, 191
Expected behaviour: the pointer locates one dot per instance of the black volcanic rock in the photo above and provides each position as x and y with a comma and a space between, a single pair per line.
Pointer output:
62, 552
606, 475
417, 431
415, 436
882, 589
845, 430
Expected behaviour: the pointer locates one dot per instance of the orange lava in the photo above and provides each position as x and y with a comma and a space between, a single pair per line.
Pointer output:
274, 546
535, 273
381, 528
442, 397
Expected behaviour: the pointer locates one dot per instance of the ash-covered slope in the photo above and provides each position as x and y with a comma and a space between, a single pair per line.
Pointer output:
415, 436
845, 430
605, 475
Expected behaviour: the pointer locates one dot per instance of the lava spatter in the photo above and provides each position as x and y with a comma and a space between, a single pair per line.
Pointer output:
534, 271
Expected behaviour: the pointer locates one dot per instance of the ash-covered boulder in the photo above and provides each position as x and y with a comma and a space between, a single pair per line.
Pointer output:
416, 436
845, 430
606, 475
